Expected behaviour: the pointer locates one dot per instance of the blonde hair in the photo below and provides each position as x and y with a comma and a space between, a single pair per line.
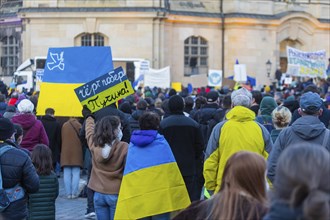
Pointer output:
281, 117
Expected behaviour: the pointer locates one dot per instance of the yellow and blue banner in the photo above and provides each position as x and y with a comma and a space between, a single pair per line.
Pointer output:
104, 90
306, 64
65, 70
152, 183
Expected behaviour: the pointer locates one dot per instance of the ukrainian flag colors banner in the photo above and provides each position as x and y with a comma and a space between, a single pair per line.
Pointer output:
105, 90
306, 64
65, 70
152, 183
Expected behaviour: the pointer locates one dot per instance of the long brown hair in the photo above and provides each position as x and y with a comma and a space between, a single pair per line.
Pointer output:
104, 131
243, 183
42, 159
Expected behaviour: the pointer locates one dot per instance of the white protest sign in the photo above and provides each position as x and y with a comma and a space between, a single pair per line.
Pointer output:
288, 80
158, 77
240, 73
144, 66
214, 78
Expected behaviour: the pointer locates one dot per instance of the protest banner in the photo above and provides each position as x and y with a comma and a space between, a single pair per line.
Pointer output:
104, 90
306, 64
215, 78
157, 77
66, 69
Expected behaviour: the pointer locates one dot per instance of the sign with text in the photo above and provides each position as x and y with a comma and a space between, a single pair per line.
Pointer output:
306, 64
104, 90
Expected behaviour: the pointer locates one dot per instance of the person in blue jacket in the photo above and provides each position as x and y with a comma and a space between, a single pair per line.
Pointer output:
16, 169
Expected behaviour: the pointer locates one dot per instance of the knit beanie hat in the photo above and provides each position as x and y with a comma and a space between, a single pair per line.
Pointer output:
176, 104
6, 129
25, 106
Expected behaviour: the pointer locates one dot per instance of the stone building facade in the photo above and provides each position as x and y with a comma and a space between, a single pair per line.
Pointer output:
190, 36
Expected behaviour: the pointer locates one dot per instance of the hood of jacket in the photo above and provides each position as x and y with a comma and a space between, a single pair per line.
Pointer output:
240, 113
26, 120
142, 138
308, 127
267, 105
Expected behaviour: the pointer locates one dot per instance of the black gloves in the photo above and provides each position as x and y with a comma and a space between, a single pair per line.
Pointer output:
86, 112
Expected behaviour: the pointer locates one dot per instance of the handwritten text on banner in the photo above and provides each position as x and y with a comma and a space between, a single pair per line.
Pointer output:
306, 64
104, 90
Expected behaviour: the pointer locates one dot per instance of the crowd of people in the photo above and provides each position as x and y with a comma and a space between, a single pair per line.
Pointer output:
160, 154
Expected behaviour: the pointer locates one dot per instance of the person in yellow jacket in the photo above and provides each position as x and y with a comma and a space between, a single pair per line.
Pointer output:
238, 132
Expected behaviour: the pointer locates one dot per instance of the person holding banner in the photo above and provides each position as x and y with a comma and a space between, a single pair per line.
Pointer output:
108, 159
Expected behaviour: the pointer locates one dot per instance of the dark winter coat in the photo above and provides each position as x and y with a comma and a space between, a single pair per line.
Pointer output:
200, 210
42, 203
3, 89
17, 168
185, 139
206, 113
53, 130
3, 107
255, 109
33, 130
134, 120
207, 117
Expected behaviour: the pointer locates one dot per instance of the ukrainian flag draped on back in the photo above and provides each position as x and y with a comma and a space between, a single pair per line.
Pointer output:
152, 183
66, 69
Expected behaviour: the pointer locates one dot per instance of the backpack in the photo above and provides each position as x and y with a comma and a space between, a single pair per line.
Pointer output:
207, 123
12, 194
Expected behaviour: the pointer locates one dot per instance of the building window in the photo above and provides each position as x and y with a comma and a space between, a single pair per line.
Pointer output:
9, 56
92, 40
195, 56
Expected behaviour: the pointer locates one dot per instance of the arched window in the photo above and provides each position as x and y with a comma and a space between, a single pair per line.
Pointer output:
92, 40
195, 56
9, 56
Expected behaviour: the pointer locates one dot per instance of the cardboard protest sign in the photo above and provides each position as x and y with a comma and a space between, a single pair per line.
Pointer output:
66, 69
306, 64
229, 83
104, 90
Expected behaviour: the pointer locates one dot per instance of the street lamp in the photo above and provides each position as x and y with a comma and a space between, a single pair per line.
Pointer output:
268, 67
